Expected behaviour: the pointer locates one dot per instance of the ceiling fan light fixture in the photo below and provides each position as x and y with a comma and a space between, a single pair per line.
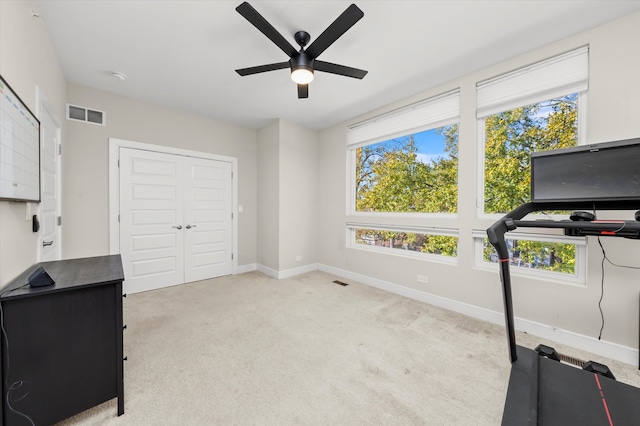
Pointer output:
302, 75
301, 68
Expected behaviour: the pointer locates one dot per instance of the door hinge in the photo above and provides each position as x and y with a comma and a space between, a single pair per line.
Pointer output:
59, 149
59, 220
118, 218
231, 175
232, 216
118, 163
231, 256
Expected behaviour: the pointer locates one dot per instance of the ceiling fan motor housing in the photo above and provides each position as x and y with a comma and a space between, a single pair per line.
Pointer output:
301, 61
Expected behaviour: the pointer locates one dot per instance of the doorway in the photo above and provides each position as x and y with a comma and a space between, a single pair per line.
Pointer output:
49, 236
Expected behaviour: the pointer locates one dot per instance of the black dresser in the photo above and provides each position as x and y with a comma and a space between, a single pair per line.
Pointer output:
62, 345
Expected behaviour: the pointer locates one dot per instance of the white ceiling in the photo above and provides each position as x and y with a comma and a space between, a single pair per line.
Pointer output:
183, 53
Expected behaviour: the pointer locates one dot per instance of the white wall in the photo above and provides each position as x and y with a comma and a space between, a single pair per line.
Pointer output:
269, 196
298, 196
85, 164
613, 113
27, 61
287, 198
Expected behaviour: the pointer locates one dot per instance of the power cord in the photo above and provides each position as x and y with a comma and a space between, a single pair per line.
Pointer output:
18, 383
605, 257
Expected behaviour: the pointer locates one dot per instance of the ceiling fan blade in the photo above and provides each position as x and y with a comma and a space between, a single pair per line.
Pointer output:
252, 15
303, 91
263, 68
339, 69
345, 21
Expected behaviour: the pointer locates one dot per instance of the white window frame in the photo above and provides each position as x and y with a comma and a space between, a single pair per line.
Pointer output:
578, 278
351, 241
560, 75
427, 114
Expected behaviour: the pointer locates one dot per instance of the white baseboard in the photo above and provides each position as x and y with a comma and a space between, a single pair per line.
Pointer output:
241, 269
287, 273
579, 341
267, 271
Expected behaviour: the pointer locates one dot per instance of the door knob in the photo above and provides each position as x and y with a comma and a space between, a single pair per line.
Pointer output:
190, 226
177, 227
47, 243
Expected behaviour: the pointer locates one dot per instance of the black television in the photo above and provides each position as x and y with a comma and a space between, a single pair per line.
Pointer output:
606, 171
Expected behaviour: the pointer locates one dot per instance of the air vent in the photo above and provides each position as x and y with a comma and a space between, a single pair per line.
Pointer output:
86, 115
340, 283
572, 360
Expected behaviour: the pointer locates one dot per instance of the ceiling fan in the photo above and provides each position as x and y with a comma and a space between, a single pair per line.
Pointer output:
303, 63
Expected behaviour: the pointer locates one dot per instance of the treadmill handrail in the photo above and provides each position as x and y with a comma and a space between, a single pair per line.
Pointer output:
510, 221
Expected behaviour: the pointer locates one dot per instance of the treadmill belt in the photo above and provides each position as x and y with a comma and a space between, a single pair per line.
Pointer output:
566, 395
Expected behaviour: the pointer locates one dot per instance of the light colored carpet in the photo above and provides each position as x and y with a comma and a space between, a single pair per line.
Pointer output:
252, 350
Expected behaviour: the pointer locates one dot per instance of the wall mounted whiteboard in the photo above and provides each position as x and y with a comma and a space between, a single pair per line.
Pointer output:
19, 148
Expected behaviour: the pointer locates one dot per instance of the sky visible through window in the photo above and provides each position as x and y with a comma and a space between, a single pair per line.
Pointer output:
430, 145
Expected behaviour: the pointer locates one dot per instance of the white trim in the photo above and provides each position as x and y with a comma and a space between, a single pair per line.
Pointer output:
431, 230
42, 102
599, 347
250, 267
530, 236
268, 271
287, 273
114, 185
578, 278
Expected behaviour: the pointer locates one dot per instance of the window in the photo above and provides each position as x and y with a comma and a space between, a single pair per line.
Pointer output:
442, 244
406, 161
533, 109
403, 165
549, 256
412, 173
509, 139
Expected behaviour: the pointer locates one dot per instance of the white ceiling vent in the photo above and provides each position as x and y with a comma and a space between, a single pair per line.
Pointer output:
87, 115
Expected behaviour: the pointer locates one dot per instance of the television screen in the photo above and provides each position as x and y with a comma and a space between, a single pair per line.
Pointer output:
19, 148
597, 172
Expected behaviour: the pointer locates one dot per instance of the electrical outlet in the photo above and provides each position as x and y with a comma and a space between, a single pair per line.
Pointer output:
298, 258
423, 279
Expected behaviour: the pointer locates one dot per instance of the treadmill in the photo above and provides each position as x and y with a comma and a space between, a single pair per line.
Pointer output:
542, 390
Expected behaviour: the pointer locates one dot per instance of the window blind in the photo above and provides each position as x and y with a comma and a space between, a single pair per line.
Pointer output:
437, 111
558, 76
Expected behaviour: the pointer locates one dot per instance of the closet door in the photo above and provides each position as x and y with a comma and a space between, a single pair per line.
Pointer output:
151, 219
208, 219
175, 219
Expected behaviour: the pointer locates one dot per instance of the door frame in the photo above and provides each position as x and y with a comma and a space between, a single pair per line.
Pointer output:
114, 188
45, 107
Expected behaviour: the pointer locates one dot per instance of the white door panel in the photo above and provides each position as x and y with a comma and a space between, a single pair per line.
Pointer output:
151, 209
208, 245
49, 237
